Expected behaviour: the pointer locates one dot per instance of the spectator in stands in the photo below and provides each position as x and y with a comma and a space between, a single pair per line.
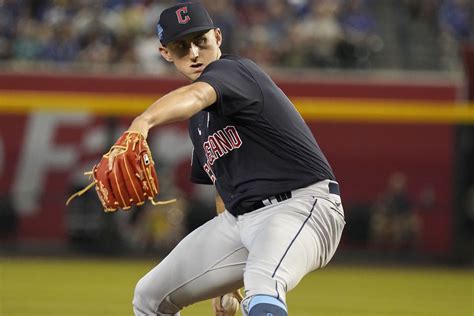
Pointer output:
62, 46
456, 25
9, 14
96, 43
146, 46
270, 28
28, 44
322, 33
395, 225
456, 17
224, 15
277, 26
360, 40
253, 39
418, 32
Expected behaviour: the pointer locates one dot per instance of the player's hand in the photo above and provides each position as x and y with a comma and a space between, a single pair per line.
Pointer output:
112, 154
228, 304
138, 125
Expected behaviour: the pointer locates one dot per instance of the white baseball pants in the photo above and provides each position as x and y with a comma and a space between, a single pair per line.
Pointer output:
268, 251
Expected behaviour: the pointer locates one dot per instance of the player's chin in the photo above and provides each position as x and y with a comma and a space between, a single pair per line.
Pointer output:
194, 75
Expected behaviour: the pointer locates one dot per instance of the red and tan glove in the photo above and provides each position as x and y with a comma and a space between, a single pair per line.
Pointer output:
132, 180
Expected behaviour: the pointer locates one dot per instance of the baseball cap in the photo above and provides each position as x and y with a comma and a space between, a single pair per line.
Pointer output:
183, 19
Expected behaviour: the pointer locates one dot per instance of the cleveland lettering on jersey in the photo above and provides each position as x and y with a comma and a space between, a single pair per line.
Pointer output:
221, 143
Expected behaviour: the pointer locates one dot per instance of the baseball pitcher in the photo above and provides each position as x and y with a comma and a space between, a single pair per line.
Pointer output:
281, 216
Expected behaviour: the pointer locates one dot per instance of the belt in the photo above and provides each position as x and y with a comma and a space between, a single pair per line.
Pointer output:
277, 198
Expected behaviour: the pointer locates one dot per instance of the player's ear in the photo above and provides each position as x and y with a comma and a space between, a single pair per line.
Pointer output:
218, 34
165, 53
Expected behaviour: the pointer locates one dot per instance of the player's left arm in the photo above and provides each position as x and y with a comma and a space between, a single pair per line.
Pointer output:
178, 105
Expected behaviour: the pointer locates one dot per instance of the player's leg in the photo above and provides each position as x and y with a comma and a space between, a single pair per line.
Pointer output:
288, 240
207, 263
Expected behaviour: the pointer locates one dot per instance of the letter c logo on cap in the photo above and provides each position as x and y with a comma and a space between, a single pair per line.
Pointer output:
182, 14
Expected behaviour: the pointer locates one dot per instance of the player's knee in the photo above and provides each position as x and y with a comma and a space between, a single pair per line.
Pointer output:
141, 302
148, 301
265, 305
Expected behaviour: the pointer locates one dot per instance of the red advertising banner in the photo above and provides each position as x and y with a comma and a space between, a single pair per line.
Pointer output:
39, 151
45, 148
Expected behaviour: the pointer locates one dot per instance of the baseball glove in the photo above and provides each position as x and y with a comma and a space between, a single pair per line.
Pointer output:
132, 180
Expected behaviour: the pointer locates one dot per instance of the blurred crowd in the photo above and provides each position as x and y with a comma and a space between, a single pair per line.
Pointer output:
285, 33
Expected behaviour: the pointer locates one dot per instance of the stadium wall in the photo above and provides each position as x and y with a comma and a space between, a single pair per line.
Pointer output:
53, 127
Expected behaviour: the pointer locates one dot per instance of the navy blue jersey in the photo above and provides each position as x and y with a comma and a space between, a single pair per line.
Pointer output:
252, 143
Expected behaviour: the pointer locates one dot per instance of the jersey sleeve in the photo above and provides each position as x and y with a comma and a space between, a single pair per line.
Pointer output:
198, 175
236, 88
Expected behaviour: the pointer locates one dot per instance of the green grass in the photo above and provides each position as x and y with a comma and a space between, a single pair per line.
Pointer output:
58, 287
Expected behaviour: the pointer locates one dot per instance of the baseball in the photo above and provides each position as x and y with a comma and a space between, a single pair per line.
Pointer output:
230, 304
